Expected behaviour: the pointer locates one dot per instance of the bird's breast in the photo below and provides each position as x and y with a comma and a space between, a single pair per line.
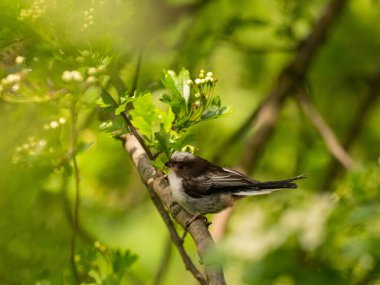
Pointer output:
176, 186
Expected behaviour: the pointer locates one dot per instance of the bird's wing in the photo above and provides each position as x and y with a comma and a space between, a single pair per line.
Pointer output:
216, 181
229, 179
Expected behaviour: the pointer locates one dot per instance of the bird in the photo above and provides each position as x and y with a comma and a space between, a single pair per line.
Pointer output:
202, 187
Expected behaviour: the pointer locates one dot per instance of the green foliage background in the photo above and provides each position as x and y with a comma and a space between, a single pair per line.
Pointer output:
56, 56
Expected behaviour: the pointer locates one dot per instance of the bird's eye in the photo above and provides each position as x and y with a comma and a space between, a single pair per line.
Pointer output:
180, 166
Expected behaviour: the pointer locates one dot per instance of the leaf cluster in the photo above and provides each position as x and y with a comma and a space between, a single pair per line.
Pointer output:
190, 102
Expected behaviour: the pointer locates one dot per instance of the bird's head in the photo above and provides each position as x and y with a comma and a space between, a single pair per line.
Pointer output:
186, 164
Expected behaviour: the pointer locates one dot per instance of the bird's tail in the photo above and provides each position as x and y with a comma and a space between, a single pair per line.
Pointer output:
261, 188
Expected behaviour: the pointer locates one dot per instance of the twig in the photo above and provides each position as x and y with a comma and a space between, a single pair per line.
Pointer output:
159, 190
266, 115
162, 269
137, 71
81, 233
130, 126
356, 125
137, 135
327, 134
74, 116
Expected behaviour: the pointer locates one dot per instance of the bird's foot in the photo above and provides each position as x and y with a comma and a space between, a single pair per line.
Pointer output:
196, 217
189, 222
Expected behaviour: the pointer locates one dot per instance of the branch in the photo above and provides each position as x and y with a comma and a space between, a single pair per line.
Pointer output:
291, 76
327, 134
159, 190
356, 125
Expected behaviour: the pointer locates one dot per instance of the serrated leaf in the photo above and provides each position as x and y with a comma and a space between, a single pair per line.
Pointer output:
167, 119
216, 101
144, 115
213, 114
182, 86
165, 98
170, 82
122, 260
163, 140
106, 100
121, 108
112, 126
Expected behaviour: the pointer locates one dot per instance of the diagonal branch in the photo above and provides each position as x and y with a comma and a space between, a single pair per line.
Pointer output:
159, 191
327, 134
266, 115
357, 123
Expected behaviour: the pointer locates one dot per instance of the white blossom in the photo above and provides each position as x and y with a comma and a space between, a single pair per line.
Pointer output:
19, 59
54, 124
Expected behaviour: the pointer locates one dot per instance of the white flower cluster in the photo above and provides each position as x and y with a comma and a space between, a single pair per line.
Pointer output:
19, 59
13, 80
36, 10
306, 222
72, 75
88, 18
31, 147
90, 75
203, 78
55, 124
202, 87
92, 72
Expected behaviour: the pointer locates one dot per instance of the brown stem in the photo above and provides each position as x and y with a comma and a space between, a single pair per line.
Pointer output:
356, 126
164, 263
327, 134
159, 190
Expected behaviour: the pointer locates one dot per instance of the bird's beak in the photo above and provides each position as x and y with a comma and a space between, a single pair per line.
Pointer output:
168, 164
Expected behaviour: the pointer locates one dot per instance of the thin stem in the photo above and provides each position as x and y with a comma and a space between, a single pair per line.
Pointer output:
327, 134
164, 263
356, 125
74, 117
137, 72
130, 126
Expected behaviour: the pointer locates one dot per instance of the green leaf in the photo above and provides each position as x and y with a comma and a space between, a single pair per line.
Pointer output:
170, 82
83, 146
183, 88
163, 139
122, 260
121, 108
216, 101
165, 98
106, 102
213, 114
145, 115
110, 126
166, 120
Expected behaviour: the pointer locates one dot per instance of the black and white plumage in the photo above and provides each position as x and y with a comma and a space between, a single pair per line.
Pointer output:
202, 187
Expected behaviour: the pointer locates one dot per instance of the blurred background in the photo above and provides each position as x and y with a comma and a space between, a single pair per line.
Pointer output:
55, 55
